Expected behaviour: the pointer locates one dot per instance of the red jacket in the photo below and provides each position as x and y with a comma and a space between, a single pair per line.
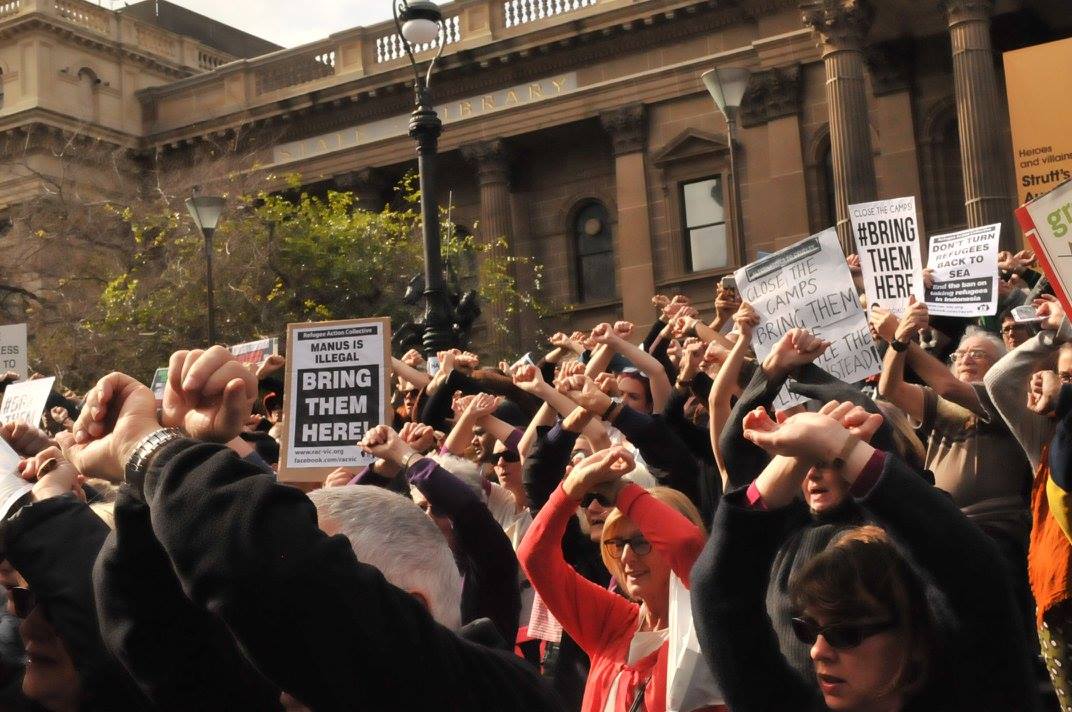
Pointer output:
603, 623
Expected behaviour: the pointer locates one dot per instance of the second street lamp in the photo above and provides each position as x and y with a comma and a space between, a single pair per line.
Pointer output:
206, 211
420, 22
727, 86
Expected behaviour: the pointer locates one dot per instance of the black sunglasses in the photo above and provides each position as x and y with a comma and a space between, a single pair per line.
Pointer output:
508, 455
638, 544
841, 636
23, 599
590, 497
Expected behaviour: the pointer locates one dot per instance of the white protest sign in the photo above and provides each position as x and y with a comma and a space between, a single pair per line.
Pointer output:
25, 401
888, 244
1047, 225
337, 388
965, 268
255, 351
13, 349
159, 383
12, 486
808, 285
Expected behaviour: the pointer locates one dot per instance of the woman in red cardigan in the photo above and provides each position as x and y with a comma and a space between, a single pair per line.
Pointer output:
643, 541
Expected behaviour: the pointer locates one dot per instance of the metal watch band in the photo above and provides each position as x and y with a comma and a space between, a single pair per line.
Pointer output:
143, 454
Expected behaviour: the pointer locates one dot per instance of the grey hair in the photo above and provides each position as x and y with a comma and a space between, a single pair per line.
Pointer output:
979, 333
465, 470
388, 531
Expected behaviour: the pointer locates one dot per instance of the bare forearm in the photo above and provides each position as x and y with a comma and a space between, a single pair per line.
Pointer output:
892, 386
406, 372
936, 375
461, 434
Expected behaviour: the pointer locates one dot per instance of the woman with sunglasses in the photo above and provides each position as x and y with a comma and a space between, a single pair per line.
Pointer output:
53, 542
648, 537
924, 624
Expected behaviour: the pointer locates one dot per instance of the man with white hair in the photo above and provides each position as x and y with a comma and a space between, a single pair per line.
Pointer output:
318, 622
389, 532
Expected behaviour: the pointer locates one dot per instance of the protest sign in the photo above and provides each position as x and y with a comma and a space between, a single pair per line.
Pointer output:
12, 486
255, 351
888, 244
25, 401
808, 285
1047, 225
13, 349
1039, 107
337, 389
965, 268
158, 384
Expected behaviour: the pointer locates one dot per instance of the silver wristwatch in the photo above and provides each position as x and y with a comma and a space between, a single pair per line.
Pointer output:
138, 463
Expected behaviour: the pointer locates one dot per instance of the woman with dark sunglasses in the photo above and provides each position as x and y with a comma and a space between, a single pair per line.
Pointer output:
915, 616
648, 537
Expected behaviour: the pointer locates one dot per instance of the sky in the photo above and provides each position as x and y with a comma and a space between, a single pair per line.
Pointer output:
287, 22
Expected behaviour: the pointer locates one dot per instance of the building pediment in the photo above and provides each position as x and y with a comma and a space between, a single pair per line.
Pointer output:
689, 144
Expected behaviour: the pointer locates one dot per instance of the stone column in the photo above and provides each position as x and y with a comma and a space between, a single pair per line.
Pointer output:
842, 27
980, 115
492, 161
628, 132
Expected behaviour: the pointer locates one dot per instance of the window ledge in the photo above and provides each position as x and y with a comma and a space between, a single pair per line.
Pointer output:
697, 276
584, 307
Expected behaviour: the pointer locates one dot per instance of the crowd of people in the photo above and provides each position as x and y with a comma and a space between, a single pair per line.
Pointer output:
624, 523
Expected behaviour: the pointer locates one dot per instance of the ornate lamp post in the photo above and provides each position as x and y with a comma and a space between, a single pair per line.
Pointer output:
420, 22
206, 211
727, 86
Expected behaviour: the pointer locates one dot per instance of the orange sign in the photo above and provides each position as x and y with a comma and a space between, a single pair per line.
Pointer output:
1040, 109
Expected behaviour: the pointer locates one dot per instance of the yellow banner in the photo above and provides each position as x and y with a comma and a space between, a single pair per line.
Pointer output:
1040, 112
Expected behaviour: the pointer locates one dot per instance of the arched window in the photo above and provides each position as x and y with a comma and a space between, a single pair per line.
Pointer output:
87, 88
594, 247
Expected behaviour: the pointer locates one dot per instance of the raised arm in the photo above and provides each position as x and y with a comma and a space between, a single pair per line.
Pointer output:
588, 612
892, 386
1007, 381
616, 339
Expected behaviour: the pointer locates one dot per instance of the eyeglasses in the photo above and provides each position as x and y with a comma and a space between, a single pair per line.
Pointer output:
23, 599
841, 636
508, 456
1065, 376
587, 499
639, 545
976, 355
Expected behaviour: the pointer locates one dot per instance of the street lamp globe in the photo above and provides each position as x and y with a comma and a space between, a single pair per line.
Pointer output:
420, 20
727, 86
206, 211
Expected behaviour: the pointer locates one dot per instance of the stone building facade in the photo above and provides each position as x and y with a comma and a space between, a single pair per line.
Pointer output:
576, 129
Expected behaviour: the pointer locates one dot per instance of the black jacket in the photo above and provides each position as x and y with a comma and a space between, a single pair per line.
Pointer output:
53, 544
316, 621
985, 662
181, 656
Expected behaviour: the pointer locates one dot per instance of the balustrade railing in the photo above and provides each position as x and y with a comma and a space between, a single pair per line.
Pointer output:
9, 8
291, 70
521, 12
390, 47
84, 15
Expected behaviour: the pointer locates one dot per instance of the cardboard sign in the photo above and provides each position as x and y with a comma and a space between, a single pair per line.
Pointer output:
888, 244
1047, 225
965, 268
337, 389
25, 401
1036, 81
13, 349
255, 351
808, 285
159, 382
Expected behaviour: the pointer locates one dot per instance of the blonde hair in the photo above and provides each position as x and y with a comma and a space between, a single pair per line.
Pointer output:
616, 522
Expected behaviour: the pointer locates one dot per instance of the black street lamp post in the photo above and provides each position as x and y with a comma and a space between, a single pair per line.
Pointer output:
420, 22
206, 211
